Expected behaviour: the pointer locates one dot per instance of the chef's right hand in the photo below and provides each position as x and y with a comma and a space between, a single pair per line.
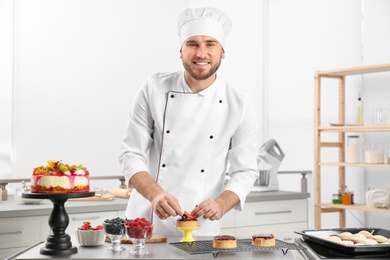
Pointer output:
165, 205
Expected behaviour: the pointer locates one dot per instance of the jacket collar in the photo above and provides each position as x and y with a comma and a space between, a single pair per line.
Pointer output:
218, 83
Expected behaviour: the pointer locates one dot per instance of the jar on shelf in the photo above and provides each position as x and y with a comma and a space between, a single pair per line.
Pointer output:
336, 198
353, 149
373, 153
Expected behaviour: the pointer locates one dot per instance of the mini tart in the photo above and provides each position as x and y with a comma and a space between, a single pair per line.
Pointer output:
186, 223
224, 241
263, 240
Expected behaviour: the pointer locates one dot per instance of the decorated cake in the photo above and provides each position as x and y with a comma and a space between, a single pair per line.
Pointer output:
224, 241
187, 220
263, 240
57, 177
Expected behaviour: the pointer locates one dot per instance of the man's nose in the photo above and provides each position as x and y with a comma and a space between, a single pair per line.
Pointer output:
200, 52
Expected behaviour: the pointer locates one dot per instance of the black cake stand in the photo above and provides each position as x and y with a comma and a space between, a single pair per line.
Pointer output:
58, 243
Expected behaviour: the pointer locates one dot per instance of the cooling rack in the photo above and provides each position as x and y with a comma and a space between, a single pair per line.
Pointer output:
243, 245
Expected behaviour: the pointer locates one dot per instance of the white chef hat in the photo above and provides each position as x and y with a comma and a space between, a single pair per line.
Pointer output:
204, 21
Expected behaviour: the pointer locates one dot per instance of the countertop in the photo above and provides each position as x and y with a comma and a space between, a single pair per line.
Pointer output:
16, 208
157, 251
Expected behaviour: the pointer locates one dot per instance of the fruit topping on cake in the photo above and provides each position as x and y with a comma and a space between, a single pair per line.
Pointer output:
187, 220
58, 177
57, 167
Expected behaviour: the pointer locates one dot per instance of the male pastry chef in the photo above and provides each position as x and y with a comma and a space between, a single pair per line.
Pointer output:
187, 131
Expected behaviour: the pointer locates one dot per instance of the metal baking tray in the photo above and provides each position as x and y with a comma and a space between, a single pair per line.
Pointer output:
312, 235
243, 245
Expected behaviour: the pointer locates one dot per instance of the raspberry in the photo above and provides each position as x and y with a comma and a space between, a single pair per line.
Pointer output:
139, 228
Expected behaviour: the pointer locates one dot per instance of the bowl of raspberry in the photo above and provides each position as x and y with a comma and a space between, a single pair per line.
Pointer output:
139, 230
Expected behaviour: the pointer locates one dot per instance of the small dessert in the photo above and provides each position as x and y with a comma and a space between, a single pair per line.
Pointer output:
263, 240
335, 239
58, 177
357, 238
345, 235
366, 233
379, 238
347, 243
187, 220
224, 241
369, 241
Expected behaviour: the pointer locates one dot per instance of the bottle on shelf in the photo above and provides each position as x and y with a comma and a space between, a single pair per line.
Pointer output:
353, 149
359, 118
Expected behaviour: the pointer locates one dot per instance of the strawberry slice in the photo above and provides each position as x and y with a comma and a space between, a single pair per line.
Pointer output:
188, 215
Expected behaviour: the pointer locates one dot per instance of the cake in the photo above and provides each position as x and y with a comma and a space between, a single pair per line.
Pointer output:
58, 177
263, 240
187, 220
224, 241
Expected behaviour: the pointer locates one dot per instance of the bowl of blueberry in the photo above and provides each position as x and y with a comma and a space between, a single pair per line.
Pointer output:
115, 230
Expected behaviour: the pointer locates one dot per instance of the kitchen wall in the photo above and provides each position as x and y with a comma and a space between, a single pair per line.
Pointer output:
69, 71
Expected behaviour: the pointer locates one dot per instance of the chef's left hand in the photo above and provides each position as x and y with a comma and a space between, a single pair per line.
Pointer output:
214, 209
209, 209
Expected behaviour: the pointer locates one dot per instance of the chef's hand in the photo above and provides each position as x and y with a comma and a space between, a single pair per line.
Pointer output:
209, 209
165, 205
214, 209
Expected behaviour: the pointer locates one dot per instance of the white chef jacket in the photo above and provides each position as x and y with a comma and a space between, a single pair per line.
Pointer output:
186, 141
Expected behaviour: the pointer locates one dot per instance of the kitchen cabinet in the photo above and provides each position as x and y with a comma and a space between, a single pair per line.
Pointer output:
22, 232
22, 225
280, 218
340, 130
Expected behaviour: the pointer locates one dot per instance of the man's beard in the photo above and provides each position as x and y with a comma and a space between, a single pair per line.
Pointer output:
200, 76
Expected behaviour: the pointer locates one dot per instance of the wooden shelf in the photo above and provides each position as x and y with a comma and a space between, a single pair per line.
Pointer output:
354, 71
340, 127
367, 165
354, 207
363, 128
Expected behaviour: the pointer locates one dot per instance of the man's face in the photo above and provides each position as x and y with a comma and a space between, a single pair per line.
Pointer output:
201, 56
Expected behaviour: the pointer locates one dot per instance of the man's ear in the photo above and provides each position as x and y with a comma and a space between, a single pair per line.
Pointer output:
180, 54
223, 54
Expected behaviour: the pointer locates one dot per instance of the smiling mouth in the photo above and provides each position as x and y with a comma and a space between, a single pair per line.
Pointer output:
201, 63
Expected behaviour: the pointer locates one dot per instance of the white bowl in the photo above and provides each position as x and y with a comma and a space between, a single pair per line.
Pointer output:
90, 237
31, 201
27, 200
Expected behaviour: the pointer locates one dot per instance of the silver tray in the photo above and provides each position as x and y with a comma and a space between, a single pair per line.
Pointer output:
312, 235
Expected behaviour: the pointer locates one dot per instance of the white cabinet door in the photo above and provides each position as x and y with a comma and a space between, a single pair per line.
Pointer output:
272, 212
18, 232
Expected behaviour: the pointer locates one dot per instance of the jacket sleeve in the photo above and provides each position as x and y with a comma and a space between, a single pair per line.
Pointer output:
137, 137
243, 154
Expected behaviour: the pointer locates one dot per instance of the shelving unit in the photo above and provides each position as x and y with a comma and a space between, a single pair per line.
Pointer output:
341, 129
